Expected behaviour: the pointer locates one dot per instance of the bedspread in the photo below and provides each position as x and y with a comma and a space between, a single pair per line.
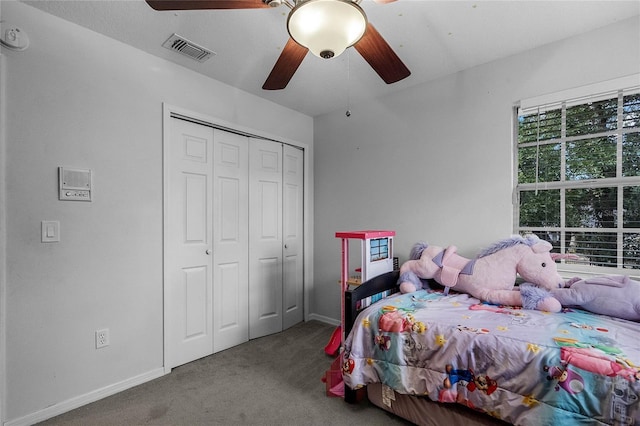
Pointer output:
523, 366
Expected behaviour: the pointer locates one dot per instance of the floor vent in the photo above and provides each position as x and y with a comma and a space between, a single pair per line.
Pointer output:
187, 48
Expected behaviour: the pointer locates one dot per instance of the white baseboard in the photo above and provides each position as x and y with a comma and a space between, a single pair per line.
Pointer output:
324, 319
79, 401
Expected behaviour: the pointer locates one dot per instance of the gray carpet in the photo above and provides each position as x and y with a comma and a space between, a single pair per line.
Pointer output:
273, 380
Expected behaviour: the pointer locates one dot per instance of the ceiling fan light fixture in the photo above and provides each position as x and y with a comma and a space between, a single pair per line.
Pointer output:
326, 27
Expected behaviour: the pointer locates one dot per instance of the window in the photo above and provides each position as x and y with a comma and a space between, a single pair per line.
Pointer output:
379, 249
578, 177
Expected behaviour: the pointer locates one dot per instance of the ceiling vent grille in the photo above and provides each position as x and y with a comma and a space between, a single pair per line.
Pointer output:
182, 45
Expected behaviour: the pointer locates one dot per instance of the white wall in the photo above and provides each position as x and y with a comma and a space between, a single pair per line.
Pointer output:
434, 163
76, 98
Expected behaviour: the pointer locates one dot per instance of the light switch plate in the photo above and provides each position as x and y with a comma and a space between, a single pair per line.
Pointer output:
50, 231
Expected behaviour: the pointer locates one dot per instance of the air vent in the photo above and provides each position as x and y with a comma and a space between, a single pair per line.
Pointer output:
187, 48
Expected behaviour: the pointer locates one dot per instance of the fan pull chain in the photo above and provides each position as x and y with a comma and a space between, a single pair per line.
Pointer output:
348, 113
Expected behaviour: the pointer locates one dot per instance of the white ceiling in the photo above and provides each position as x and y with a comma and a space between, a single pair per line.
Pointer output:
433, 38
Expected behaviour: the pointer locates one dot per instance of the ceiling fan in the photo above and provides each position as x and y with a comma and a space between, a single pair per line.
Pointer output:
326, 27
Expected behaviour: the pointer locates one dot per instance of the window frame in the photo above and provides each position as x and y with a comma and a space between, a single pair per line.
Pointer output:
563, 100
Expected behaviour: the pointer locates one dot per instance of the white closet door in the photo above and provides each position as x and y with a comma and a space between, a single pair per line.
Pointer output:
293, 227
188, 259
230, 240
265, 238
233, 240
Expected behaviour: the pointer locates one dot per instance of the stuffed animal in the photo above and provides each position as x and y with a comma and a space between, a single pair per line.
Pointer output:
491, 276
613, 295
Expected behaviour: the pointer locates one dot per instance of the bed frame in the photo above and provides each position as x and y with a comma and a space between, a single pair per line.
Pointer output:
366, 294
360, 297
418, 410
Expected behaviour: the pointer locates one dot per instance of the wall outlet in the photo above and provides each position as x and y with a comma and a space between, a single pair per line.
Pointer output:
102, 338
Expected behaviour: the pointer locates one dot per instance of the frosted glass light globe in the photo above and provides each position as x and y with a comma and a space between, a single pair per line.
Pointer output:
327, 27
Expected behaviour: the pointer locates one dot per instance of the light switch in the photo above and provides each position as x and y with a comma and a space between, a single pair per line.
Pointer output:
50, 231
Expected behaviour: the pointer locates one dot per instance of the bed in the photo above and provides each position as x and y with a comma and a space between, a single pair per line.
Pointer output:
435, 358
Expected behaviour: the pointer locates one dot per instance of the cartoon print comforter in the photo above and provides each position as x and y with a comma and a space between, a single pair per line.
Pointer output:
525, 367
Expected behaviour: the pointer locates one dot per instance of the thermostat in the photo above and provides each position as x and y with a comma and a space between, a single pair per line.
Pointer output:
74, 184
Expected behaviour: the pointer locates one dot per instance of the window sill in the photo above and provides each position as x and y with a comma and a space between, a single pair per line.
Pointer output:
569, 271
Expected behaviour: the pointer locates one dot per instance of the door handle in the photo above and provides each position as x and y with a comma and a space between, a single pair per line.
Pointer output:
208, 251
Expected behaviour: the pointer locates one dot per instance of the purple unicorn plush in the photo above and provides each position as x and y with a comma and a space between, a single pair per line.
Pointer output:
491, 276
613, 295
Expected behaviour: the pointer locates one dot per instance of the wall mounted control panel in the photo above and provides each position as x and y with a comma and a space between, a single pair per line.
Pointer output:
74, 184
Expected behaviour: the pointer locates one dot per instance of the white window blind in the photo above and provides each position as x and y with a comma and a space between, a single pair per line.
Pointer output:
578, 174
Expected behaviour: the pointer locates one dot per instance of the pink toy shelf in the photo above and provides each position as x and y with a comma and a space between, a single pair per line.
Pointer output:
376, 259
376, 251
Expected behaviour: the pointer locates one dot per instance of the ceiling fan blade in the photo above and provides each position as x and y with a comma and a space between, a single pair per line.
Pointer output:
286, 65
206, 4
377, 52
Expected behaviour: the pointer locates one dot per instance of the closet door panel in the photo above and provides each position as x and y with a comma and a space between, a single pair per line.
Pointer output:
265, 237
293, 228
188, 269
230, 240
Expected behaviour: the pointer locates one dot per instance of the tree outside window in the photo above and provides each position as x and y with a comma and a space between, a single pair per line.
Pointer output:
578, 178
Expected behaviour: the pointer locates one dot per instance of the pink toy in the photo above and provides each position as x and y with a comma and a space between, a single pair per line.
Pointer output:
492, 274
